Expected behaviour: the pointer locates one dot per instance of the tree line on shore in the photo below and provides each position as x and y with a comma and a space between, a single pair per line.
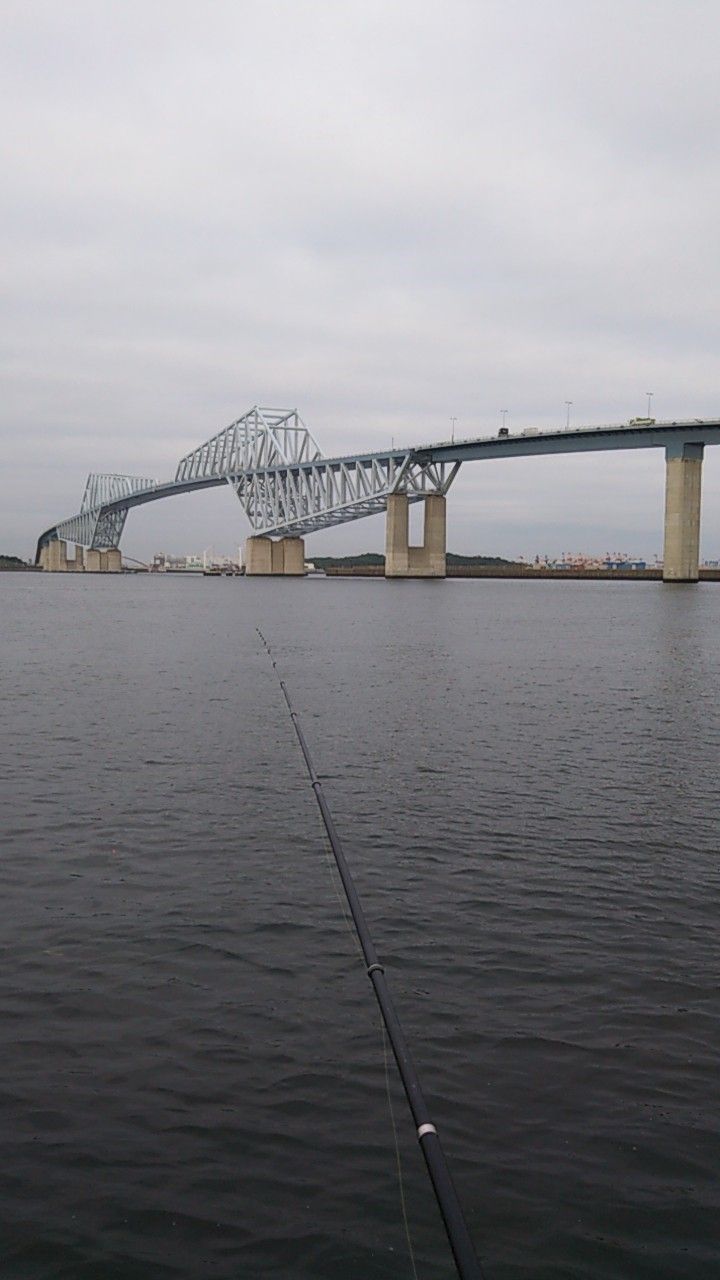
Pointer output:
373, 558
14, 562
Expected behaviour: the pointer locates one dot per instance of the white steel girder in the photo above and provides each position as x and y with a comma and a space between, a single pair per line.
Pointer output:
285, 485
260, 438
95, 527
275, 466
301, 499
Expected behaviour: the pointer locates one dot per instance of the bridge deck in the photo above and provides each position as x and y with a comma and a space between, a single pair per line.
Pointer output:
531, 442
398, 464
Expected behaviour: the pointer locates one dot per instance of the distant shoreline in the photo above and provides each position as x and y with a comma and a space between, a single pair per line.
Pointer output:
525, 573
375, 568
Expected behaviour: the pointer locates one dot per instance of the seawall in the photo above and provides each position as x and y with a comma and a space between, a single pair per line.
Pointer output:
522, 571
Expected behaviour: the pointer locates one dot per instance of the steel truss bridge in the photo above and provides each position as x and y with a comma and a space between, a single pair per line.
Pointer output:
274, 464
287, 488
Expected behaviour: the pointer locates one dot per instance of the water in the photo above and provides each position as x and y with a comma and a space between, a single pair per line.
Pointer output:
192, 1078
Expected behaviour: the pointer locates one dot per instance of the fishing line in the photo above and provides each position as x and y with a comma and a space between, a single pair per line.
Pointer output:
462, 1247
398, 1159
347, 919
341, 901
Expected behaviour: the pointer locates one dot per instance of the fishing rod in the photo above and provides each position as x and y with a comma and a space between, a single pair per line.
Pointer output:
466, 1261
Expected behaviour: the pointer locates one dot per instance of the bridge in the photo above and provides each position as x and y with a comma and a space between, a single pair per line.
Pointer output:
288, 489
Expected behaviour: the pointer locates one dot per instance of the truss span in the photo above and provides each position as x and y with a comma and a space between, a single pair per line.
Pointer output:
100, 521
261, 439
274, 465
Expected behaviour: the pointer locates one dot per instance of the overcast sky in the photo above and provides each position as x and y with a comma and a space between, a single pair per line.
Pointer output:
383, 213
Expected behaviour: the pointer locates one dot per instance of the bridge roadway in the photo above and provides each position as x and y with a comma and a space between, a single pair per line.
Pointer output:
288, 489
532, 442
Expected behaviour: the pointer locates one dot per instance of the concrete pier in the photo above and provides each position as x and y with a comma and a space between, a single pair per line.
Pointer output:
293, 557
280, 557
258, 556
107, 561
54, 559
404, 561
683, 477
57, 556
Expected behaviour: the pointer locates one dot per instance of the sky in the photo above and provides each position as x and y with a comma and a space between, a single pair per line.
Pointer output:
386, 214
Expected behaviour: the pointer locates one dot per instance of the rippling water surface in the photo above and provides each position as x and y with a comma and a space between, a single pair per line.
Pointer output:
525, 775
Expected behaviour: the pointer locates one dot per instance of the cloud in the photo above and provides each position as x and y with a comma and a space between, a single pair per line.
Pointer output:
383, 214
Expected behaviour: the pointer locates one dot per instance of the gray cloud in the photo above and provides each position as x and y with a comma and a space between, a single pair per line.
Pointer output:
383, 214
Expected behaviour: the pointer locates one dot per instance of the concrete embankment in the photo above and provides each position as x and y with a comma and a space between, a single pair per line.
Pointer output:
521, 571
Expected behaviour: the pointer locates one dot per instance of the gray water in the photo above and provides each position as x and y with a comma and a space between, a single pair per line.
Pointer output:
192, 1081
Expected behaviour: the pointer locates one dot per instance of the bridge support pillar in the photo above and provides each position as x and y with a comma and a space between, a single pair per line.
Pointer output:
258, 556
404, 561
92, 561
114, 560
268, 557
683, 476
56, 556
293, 557
79, 564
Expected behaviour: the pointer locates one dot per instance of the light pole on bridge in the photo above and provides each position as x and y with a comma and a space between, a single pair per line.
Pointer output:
649, 395
567, 417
